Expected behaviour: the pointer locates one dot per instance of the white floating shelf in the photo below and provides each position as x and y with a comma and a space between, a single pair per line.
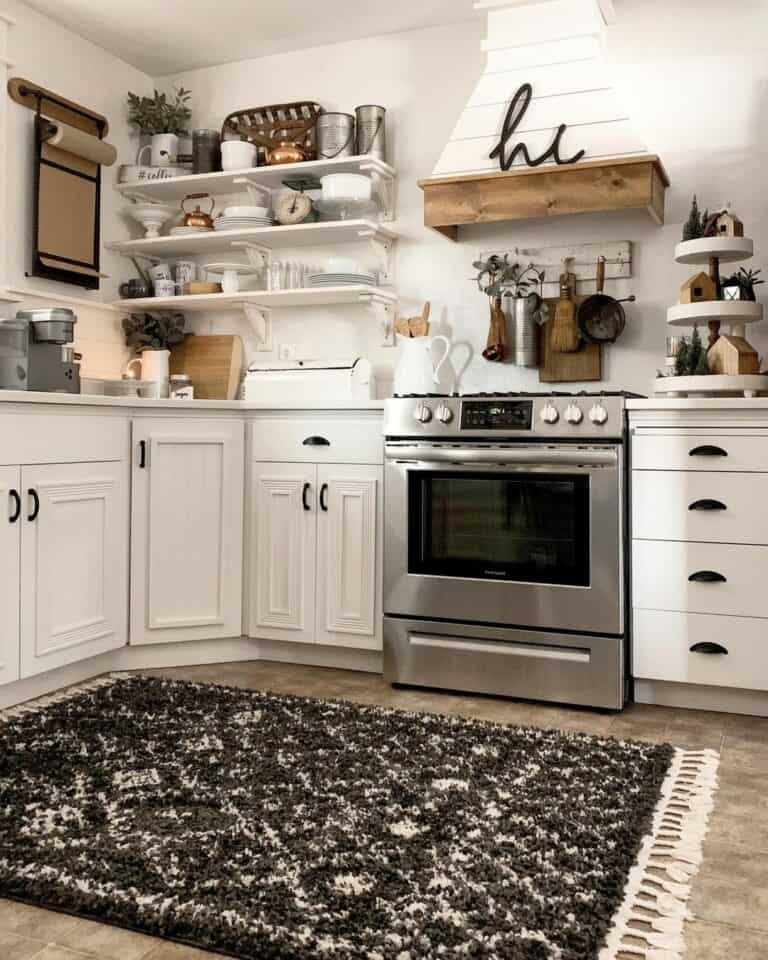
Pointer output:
304, 297
712, 385
226, 183
300, 235
726, 311
726, 249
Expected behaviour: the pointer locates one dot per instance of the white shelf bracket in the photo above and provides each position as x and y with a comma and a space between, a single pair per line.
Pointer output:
383, 249
261, 321
384, 188
385, 314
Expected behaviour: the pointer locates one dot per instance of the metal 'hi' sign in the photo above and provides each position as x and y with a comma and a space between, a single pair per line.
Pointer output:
512, 121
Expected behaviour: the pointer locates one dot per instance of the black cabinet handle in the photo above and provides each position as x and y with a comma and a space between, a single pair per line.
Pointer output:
316, 442
706, 647
323, 501
304, 492
707, 450
14, 495
36, 508
142, 454
706, 576
707, 505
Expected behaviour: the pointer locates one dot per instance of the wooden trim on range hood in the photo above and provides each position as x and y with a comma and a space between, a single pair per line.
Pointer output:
624, 183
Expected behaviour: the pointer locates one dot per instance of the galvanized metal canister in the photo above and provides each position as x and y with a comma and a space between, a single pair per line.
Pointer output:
525, 317
335, 135
371, 130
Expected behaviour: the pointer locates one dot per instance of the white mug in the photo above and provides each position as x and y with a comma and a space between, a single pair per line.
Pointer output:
160, 271
238, 155
164, 150
165, 288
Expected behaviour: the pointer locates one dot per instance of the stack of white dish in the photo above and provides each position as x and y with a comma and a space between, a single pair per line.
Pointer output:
339, 272
243, 218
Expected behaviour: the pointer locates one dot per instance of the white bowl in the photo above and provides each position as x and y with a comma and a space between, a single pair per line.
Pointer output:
341, 265
346, 186
246, 211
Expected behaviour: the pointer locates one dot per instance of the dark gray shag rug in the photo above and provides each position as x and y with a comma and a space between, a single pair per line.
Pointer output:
280, 827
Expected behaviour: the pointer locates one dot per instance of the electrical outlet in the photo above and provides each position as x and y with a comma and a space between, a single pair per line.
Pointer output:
286, 351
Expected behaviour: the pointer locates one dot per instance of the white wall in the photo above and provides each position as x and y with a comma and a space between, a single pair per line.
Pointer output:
695, 84
56, 58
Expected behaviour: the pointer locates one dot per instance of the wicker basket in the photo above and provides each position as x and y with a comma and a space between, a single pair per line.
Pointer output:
256, 125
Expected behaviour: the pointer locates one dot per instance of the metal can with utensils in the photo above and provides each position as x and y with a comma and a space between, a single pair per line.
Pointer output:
335, 136
526, 313
371, 130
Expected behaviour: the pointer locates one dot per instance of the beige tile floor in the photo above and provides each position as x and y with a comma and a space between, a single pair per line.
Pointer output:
730, 895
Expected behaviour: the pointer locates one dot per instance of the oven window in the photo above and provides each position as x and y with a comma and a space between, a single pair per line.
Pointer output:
532, 528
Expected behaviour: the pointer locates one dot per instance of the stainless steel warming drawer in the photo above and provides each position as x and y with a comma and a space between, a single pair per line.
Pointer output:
535, 665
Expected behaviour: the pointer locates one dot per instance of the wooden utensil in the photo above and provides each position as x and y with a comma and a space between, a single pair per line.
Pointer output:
419, 326
214, 363
497, 344
564, 334
583, 366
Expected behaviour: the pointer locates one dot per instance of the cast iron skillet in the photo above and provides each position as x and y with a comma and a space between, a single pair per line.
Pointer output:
601, 318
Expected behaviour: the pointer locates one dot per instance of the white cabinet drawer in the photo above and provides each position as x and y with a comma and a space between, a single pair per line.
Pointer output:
662, 643
686, 505
661, 572
696, 452
62, 438
317, 440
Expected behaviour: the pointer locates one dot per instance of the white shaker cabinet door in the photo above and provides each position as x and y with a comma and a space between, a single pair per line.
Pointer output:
11, 514
74, 558
187, 530
349, 556
282, 551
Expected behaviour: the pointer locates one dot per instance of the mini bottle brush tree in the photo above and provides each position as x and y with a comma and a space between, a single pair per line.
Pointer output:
691, 357
695, 226
498, 278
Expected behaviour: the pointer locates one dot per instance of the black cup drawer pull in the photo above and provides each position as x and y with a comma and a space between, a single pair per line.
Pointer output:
14, 495
316, 442
304, 492
707, 450
707, 576
707, 505
707, 647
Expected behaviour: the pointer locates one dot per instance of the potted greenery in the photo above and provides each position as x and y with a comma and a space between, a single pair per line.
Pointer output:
152, 334
162, 118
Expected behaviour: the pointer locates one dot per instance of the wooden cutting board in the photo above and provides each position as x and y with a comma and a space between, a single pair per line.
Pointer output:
586, 364
215, 364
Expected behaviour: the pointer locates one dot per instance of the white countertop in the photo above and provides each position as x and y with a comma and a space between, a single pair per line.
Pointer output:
699, 403
92, 400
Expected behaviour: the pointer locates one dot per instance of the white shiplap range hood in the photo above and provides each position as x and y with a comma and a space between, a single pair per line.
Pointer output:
556, 46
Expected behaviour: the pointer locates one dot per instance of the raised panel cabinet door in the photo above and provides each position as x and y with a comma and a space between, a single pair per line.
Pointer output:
10, 526
282, 551
187, 530
349, 556
74, 563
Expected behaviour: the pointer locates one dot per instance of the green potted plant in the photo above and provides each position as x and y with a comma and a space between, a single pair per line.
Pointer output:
164, 118
151, 334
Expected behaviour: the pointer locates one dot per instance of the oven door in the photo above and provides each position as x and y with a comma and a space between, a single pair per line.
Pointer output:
515, 535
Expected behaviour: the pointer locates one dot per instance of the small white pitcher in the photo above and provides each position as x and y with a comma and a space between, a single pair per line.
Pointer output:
154, 365
415, 371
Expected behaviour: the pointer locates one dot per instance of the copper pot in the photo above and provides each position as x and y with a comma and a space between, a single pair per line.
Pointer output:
197, 218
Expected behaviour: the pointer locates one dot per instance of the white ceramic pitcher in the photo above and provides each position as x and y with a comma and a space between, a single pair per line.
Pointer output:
155, 366
415, 371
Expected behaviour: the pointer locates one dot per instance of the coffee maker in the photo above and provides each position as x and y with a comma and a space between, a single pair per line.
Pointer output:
36, 351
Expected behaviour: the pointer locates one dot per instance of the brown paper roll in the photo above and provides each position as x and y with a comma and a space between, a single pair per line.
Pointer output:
79, 143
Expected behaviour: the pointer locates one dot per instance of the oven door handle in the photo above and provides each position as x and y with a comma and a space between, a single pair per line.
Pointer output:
576, 458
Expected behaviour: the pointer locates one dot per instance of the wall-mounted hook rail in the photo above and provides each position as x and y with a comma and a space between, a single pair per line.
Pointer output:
582, 259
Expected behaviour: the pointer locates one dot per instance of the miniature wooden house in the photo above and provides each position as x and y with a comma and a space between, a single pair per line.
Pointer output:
698, 288
732, 356
728, 225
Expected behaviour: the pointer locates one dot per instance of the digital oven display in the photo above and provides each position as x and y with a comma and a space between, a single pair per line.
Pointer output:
496, 414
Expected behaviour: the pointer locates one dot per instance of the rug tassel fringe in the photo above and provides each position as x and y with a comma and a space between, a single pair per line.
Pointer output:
655, 905
32, 706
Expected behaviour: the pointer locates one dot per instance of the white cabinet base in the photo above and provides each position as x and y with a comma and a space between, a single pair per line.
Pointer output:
688, 696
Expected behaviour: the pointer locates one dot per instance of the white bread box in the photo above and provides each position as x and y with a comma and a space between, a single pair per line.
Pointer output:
318, 381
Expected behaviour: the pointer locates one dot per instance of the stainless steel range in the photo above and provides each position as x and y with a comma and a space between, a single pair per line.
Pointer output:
504, 567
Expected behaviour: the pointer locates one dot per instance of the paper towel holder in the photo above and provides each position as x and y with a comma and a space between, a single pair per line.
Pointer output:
67, 190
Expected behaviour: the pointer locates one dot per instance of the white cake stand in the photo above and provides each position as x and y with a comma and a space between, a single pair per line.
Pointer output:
230, 274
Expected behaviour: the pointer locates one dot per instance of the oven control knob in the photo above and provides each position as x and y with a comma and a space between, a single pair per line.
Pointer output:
549, 413
598, 414
573, 414
444, 413
422, 413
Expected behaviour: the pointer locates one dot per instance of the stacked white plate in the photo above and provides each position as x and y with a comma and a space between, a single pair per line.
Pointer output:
241, 223
340, 279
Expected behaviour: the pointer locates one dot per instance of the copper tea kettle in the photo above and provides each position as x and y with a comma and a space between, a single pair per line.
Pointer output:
197, 218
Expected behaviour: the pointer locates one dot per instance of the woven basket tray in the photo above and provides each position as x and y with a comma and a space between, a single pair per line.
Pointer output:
257, 123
